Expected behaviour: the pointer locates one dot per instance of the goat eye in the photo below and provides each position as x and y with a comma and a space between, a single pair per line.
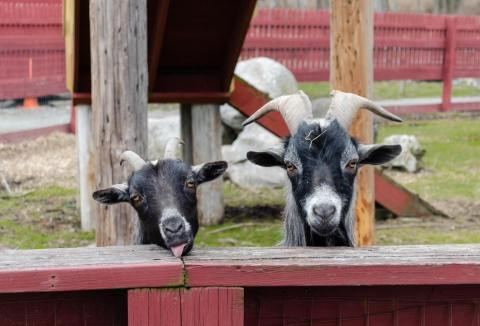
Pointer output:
352, 164
291, 168
190, 184
136, 200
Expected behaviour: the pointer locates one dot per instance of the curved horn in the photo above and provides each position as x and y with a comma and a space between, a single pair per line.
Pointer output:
344, 107
171, 148
294, 109
133, 158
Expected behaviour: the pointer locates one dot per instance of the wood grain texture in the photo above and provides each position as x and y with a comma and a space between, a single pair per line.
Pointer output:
351, 70
449, 61
207, 147
86, 170
118, 39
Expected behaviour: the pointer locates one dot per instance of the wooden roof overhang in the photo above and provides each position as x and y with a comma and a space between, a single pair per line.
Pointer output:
193, 47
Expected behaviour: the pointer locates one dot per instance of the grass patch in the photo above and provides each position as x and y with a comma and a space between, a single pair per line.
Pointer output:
43, 218
451, 159
411, 236
383, 90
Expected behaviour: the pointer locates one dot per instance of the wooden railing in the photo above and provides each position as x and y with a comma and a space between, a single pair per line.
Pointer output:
146, 285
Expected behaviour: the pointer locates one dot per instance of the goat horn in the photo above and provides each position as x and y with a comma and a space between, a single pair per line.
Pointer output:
171, 148
133, 158
344, 107
294, 109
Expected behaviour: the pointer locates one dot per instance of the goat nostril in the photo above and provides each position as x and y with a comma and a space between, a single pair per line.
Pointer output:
174, 226
324, 210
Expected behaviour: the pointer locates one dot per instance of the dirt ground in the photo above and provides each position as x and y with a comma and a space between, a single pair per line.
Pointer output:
49, 160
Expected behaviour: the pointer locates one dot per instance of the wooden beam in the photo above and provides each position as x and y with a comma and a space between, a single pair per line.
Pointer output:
235, 45
23, 135
449, 62
351, 70
71, 35
156, 40
168, 97
186, 132
207, 147
118, 37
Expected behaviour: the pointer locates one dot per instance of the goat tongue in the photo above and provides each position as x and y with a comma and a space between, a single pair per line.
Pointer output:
178, 250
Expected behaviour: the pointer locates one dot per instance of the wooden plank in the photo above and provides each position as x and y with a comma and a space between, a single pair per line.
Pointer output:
156, 40
247, 99
236, 41
24, 135
207, 145
399, 200
86, 175
70, 33
351, 63
118, 38
55, 270
138, 307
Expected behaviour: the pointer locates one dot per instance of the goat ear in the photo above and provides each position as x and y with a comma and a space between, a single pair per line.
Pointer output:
115, 194
267, 158
377, 154
209, 171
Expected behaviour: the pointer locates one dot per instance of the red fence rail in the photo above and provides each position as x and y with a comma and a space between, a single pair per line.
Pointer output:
406, 46
32, 56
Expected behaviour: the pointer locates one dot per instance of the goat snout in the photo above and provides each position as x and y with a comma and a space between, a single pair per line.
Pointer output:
174, 226
324, 211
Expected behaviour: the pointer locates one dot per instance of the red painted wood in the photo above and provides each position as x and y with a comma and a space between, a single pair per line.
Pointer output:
138, 307
19, 136
91, 277
248, 99
64, 309
273, 274
355, 306
449, 62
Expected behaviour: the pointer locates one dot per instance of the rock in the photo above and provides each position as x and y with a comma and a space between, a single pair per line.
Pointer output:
244, 173
265, 74
410, 158
159, 131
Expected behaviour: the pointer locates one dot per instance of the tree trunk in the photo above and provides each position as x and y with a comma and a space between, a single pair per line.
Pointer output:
118, 39
351, 28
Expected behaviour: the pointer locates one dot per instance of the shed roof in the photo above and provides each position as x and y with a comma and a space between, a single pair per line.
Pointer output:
193, 47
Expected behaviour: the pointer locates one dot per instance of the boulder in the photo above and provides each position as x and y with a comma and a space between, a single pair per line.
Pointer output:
244, 173
159, 131
409, 159
265, 74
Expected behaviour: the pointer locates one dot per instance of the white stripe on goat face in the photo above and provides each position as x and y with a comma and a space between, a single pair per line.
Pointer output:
172, 212
323, 194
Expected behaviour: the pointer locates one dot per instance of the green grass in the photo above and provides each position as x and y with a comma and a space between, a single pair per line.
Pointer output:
394, 89
452, 155
43, 218
402, 236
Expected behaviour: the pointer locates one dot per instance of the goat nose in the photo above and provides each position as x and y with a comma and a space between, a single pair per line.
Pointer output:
325, 211
173, 225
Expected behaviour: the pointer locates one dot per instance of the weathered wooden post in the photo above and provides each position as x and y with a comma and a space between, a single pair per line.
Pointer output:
351, 70
207, 146
448, 62
118, 39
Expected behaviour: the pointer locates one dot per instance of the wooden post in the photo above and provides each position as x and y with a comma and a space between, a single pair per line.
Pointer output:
351, 70
207, 146
448, 62
86, 176
118, 39
186, 132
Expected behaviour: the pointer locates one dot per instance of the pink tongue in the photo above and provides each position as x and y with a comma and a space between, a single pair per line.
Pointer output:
178, 250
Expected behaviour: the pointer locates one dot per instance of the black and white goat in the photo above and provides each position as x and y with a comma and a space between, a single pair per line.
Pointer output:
321, 161
163, 193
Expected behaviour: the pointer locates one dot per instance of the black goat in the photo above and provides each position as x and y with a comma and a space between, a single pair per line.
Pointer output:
163, 193
321, 161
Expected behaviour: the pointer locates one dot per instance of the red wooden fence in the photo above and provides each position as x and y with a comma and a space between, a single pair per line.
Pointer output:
406, 46
32, 58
